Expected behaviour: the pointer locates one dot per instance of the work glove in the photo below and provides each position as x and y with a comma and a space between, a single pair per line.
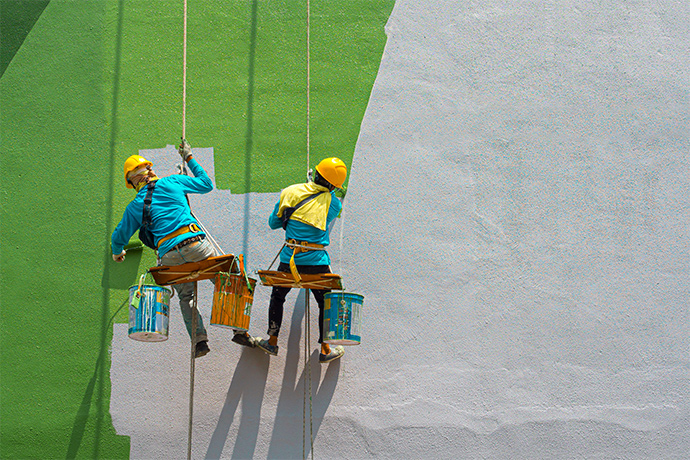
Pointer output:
120, 257
185, 150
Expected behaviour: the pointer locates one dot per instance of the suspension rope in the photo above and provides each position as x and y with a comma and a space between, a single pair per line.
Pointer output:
184, 74
308, 82
214, 243
196, 294
307, 316
340, 245
191, 373
307, 381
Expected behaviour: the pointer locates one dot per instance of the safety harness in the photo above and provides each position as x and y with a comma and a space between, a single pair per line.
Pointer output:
299, 246
145, 234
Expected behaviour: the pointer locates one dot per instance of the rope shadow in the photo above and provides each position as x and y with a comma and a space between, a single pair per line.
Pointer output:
96, 384
249, 134
248, 385
290, 408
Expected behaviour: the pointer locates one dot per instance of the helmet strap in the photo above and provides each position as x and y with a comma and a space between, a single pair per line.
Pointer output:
142, 183
320, 180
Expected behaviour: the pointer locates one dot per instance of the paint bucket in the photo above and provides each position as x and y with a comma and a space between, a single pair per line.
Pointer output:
342, 318
232, 301
148, 312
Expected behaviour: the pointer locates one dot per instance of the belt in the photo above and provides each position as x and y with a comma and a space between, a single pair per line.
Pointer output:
188, 241
191, 228
297, 247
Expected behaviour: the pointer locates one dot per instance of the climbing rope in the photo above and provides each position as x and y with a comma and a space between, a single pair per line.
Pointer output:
184, 72
307, 316
192, 361
213, 241
307, 381
184, 170
308, 82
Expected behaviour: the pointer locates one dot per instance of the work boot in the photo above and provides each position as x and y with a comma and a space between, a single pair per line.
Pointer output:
336, 353
201, 349
267, 347
245, 339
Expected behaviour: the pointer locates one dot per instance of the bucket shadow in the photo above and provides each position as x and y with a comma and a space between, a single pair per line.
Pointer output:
248, 385
291, 426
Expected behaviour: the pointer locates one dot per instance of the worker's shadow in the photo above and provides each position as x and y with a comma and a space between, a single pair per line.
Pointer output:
248, 384
292, 421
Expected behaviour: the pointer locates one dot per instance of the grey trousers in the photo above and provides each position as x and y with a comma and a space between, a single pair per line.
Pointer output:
194, 252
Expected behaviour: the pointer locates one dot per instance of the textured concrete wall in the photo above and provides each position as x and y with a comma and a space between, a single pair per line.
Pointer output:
517, 222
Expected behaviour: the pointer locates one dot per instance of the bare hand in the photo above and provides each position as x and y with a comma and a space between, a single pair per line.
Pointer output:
120, 257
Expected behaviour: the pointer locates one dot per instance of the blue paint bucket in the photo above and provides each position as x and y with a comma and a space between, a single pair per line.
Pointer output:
148, 313
342, 318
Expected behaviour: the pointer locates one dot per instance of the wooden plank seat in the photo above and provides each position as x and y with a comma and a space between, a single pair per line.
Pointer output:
165, 275
285, 279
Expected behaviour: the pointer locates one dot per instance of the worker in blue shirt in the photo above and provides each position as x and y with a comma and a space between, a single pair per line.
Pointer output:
305, 212
175, 232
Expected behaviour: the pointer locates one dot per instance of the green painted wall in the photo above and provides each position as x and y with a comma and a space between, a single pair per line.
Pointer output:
86, 84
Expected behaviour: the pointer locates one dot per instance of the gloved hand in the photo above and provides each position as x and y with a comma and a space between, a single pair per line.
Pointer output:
185, 150
120, 257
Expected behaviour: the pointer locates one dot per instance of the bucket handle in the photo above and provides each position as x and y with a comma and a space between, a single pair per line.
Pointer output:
244, 273
142, 278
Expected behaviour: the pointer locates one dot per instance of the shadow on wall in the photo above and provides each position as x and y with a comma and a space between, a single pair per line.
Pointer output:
17, 20
98, 380
290, 424
249, 135
249, 385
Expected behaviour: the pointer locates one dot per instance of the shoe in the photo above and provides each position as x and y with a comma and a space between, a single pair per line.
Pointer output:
267, 347
245, 339
336, 353
201, 349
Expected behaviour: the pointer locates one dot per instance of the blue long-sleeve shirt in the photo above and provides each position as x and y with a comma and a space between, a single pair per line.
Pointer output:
305, 232
169, 209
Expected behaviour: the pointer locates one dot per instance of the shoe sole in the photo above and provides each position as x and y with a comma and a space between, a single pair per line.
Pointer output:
268, 352
250, 344
331, 360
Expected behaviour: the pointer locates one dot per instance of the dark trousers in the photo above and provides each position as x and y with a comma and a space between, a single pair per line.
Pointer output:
278, 294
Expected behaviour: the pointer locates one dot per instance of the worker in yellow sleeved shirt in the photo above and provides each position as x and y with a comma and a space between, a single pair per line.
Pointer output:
305, 211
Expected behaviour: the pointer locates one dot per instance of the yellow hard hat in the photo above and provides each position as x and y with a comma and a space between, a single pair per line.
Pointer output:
333, 170
133, 163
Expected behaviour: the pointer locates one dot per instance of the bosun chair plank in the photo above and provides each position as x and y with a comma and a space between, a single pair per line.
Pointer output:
316, 281
165, 275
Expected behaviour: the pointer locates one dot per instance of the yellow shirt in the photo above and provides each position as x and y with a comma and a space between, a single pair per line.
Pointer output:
314, 212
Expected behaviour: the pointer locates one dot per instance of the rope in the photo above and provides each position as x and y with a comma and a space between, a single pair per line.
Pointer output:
307, 381
340, 245
208, 234
308, 82
184, 73
307, 316
184, 170
191, 373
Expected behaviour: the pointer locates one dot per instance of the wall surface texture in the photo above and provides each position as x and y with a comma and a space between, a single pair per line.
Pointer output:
517, 222
516, 219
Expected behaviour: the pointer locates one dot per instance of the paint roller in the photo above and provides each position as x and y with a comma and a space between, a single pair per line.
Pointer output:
134, 245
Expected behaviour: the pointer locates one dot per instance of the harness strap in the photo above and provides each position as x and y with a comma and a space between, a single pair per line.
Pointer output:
297, 247
191, 228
